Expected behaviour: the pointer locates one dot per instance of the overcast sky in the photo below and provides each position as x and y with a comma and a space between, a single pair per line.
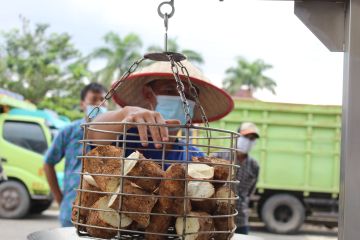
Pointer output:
305, 71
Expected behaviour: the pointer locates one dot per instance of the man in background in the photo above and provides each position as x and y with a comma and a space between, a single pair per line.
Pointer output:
66, 144
247, 174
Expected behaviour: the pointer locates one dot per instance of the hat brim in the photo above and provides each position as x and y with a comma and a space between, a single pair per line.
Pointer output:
215, 101
247, 132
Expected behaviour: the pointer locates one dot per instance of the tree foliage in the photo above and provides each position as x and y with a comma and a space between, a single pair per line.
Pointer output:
64, 106
119, 53
47, 69
35, 63
250, 75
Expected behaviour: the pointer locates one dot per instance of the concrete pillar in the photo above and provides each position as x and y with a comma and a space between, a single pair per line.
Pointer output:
349, 215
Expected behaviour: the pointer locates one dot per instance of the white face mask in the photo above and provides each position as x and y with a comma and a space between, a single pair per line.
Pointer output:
90, 108
171, 107
245, 145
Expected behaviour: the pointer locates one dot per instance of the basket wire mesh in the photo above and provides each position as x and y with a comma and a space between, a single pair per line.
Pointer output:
187, 141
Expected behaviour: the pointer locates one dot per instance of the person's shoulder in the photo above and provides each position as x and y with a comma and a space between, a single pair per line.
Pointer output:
78, 122
74, 125
254, 163
191, 147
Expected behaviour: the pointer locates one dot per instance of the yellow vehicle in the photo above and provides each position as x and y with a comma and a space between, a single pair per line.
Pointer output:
23, 141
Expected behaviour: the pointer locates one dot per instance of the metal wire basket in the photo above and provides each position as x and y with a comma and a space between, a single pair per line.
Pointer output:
128, 191
188, 141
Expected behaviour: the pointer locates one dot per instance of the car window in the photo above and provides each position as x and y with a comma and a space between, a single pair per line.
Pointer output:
26, 135
54, 132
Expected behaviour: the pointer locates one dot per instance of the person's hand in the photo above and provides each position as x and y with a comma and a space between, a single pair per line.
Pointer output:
141, 115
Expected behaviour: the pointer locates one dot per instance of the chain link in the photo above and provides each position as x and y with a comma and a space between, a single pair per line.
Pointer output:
113, 89
181, 90
194, 93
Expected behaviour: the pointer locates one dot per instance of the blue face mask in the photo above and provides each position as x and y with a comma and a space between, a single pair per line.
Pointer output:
171, 107
89, 108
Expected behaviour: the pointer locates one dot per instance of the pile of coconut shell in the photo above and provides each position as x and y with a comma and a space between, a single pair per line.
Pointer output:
150, 200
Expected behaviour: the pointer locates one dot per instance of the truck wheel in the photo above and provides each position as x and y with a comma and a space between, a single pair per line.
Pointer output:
40, 206
331, 225
283, 213
14, 200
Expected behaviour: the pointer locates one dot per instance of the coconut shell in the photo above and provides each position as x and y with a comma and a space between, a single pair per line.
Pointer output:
221, 172
195, 225
100, 218
174, 188
103, 165
131, 203
146, 168
158, 224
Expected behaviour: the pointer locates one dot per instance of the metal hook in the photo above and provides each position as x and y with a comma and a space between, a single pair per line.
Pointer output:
166, 21
169, 15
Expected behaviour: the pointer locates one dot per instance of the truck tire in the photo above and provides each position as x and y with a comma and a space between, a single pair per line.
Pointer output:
14, 200
283, 213
38, 207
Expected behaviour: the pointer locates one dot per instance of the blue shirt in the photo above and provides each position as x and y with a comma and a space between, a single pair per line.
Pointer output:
66, 144
177, 152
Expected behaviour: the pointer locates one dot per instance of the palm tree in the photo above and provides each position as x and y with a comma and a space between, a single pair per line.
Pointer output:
3, 77
173, 46
119, 53
250, 75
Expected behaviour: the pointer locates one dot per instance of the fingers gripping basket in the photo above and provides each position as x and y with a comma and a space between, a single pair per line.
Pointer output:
177, 191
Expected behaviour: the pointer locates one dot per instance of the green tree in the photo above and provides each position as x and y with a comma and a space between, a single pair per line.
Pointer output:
36, 64
173, 46
3, 78
68, 106
119, 54
79, 73
250, 75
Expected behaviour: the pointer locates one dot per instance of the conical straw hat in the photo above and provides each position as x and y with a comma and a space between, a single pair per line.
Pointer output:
215, 101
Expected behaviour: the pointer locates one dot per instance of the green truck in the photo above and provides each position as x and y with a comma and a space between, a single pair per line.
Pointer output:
299, 158
23, 142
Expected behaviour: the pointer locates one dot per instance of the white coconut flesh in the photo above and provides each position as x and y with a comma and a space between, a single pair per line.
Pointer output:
114, 197
192, 226
90, 180
224, 192
113, 218
131, 162
200, 171
128, 166
118, 190
198, 189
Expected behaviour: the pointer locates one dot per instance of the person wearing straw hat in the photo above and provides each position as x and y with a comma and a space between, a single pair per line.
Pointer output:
247, 174
149, 95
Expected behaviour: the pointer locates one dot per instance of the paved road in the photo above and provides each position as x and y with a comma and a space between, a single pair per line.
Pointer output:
19, 229
308, 232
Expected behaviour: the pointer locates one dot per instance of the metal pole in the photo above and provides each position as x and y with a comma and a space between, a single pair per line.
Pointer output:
349, 218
